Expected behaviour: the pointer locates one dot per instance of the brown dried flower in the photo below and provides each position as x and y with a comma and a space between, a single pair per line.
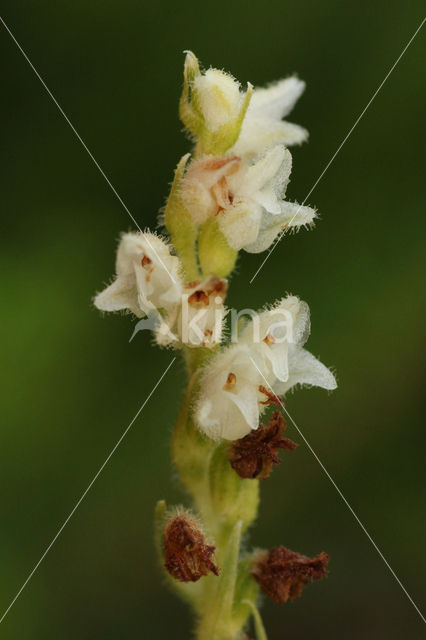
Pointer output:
282, 573
256, 453
187, 557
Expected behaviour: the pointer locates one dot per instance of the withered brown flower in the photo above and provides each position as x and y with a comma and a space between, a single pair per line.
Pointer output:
254, 455
282, 573
186, 556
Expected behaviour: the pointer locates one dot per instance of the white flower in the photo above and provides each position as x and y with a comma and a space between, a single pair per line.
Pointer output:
271, 332
277, 347
229, 403
147, 277
198, 320
246, 198
263, 127
269, 359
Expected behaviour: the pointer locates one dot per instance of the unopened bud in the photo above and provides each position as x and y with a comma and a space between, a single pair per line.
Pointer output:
218, 96
187, 557
282, 573
212, 107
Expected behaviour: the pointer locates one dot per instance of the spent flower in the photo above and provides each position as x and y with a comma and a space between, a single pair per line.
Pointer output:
282, 573
187, 557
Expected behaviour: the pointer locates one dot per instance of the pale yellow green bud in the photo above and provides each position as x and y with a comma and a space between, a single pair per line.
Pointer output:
212, 107
218, 95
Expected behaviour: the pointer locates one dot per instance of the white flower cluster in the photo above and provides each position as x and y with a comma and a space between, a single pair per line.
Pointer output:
229, 196
237, 384
148, 282
245, 186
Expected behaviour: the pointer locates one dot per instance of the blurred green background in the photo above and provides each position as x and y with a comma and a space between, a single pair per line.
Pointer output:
71, 380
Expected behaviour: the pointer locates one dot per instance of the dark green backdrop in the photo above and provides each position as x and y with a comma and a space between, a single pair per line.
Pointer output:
71, 381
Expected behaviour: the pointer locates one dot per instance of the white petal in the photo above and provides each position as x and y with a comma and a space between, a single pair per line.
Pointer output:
240, 224
246, 401
258, 134
277, 100
120, 295
278, 357
300, 314
296, 215
293, 215
266, 169
306, 369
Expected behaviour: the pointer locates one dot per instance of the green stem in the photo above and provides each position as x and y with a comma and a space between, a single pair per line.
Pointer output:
216, 622
258, 624
226, 504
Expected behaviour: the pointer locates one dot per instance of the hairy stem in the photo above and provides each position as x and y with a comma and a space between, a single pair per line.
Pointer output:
227, 505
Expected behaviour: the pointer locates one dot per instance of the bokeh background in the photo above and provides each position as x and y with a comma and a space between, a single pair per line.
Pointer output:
71, 381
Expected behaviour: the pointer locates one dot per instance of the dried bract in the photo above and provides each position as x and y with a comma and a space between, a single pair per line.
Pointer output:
254, 455
282, 573
186, 555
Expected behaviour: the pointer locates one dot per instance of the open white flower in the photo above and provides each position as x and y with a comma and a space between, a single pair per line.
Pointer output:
198, 320
269, 359
263, 126
277, 337
147, 277
270, 334
229, 403
246, 198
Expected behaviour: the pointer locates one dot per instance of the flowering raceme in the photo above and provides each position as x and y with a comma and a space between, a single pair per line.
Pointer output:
227, 195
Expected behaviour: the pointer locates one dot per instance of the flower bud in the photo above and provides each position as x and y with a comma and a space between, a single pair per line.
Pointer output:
186, 555
218, 96
282, 573
212, 107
